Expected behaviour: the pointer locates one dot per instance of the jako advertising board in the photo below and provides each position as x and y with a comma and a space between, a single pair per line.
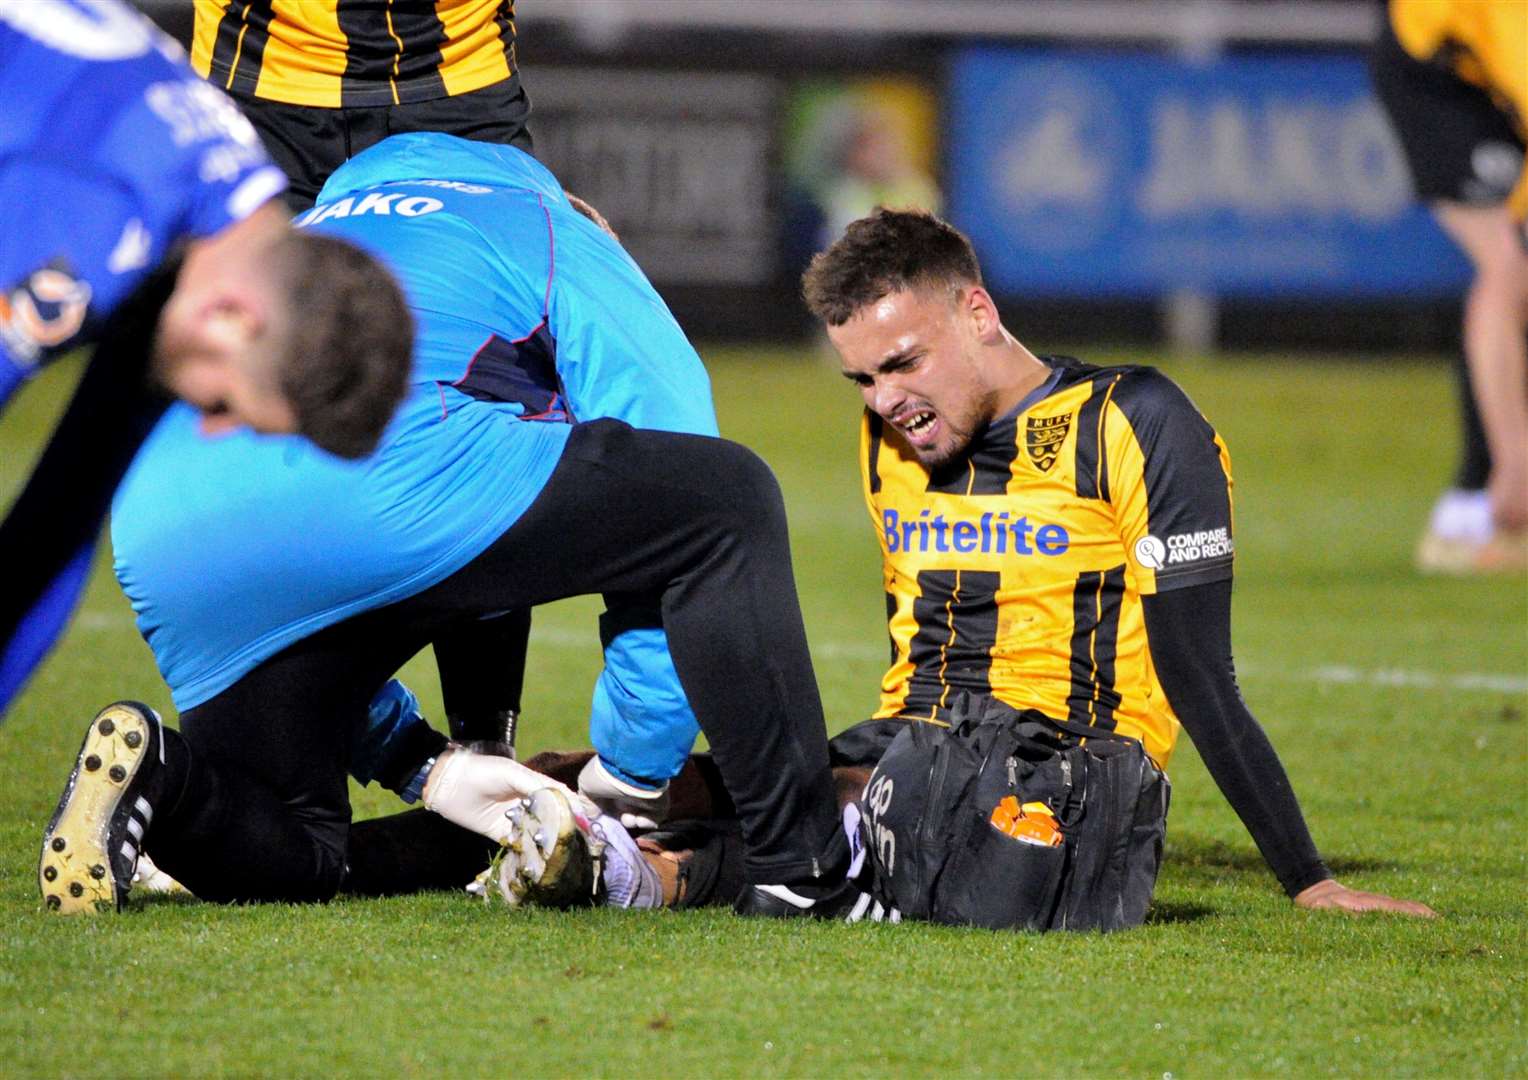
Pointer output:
1083, 173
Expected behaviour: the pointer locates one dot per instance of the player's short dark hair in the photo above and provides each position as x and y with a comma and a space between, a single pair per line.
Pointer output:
883, 253
592, 214
348, 351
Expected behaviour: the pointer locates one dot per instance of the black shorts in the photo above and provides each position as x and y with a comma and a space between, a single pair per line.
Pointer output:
309, 142
1460, 146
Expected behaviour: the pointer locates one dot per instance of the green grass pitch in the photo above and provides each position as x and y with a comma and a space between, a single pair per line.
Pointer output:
1397, 703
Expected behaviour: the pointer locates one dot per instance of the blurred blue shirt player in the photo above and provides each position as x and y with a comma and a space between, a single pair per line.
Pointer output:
111, 153
530, 317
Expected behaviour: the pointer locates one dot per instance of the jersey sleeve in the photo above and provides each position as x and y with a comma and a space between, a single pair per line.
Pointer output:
620, 353
1190, 638
56, 281
1171, 484
195, 159
113, 153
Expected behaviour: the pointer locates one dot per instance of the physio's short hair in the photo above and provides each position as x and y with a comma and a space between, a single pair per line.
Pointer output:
350, 343
883, 253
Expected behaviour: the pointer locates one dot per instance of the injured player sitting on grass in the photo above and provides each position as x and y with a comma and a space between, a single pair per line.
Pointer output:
1055, 536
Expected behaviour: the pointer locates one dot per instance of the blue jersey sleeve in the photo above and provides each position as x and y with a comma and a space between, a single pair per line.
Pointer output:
112, 152
620, 352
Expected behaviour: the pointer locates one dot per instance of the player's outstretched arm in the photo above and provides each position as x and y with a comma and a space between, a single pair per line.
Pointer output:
1190, 634
1333, 895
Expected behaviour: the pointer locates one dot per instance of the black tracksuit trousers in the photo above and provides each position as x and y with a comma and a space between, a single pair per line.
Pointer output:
259, 808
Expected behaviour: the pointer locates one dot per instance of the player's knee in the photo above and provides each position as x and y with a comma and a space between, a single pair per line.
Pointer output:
330, 842
753, 493
316, 868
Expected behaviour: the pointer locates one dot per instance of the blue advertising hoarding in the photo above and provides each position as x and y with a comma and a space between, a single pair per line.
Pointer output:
1080, 173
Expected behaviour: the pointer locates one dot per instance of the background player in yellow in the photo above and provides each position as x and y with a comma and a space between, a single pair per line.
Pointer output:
1453, 75
324, 79
1056, 534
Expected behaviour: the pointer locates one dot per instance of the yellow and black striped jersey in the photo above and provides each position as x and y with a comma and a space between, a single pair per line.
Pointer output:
335, 53
1484, 43
1018, 569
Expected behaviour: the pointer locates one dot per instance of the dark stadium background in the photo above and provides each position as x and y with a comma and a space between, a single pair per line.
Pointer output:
628, 94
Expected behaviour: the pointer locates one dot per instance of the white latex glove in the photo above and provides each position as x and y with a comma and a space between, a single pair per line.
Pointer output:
637, 809
476, 790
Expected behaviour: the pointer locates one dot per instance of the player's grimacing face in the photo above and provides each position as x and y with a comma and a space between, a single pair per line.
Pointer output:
914, 354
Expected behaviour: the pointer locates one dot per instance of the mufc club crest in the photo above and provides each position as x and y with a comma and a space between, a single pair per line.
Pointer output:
1043, 436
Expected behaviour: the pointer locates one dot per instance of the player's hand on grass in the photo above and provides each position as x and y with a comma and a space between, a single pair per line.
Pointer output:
1332, 894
